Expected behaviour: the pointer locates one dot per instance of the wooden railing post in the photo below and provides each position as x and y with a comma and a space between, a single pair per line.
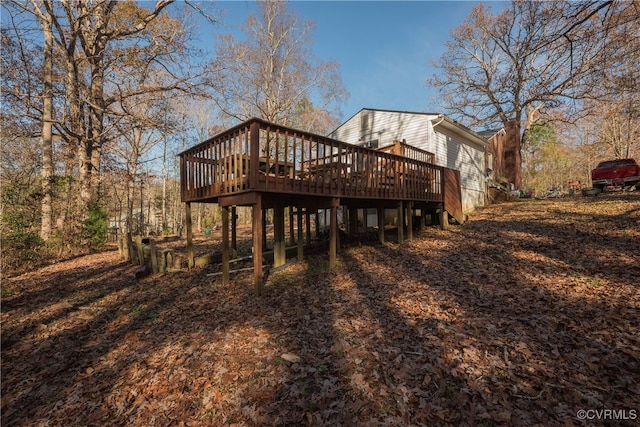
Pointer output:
183, 178
254, 154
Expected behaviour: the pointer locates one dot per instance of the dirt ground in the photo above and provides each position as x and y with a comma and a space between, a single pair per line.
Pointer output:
527, 315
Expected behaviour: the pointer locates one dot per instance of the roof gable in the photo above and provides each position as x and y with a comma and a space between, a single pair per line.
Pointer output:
437, 119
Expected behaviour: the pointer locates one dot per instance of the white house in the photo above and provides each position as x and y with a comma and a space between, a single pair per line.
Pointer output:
453, 145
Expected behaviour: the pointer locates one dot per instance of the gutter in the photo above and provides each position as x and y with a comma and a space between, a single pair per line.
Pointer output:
461, 129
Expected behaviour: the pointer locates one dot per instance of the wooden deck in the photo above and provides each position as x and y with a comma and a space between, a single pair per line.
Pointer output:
265, 165
264, 157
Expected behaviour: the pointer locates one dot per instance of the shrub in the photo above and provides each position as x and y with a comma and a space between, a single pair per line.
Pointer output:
21, 243
95, 226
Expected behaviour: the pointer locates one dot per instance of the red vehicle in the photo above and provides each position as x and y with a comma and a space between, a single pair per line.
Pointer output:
621, 173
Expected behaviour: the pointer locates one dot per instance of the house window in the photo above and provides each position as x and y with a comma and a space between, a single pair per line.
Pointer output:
364, 121
490, 161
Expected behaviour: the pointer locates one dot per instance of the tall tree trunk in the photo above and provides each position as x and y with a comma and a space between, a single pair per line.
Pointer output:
94, 40
96, 131
84, 173
130, 196
47, 128
164, 184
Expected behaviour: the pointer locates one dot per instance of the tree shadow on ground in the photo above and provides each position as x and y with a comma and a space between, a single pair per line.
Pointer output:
450, 329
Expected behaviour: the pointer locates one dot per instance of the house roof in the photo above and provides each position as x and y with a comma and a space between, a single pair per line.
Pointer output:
490, 133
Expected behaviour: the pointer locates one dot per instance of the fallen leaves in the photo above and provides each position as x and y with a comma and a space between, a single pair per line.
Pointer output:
523, 316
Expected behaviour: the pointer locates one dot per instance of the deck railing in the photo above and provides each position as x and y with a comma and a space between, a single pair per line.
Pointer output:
403, 149
261, 156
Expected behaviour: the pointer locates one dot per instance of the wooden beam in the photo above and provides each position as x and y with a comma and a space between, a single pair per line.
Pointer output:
409, 211
256, 234
292, 236
225, 245
254, 153
307, 223
353, 220
240, 199
264, 229
154, 256
400, 222
444, 219
333, 232
130, 249
381, 224
365, 223
279, 244
139, 249
300, 235
190, 257
234, 234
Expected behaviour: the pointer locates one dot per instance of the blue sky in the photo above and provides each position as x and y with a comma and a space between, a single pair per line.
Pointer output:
383, 47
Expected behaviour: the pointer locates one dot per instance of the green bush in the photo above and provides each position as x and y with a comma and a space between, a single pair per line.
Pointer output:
95, 226
21, 243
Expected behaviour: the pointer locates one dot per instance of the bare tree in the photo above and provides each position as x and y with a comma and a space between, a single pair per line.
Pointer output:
47, 125
105, 53
616, 105
532, 57
272, 71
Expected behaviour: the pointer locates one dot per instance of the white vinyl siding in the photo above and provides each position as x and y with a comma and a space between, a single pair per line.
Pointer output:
451, 150
386, 127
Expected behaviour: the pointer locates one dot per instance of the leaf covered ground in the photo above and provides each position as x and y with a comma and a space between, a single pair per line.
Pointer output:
524, 316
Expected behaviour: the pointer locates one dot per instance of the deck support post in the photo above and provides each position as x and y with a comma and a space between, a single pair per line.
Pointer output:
433, 217
279, 245
317, 223
333, 232
365, 224
353, 221
300, 235
307, 219
234, 234
264, 229
225, 245
256, 234
423, 219
409, 211
400, 222
292, 236
444, 219
187, 214
381, 224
